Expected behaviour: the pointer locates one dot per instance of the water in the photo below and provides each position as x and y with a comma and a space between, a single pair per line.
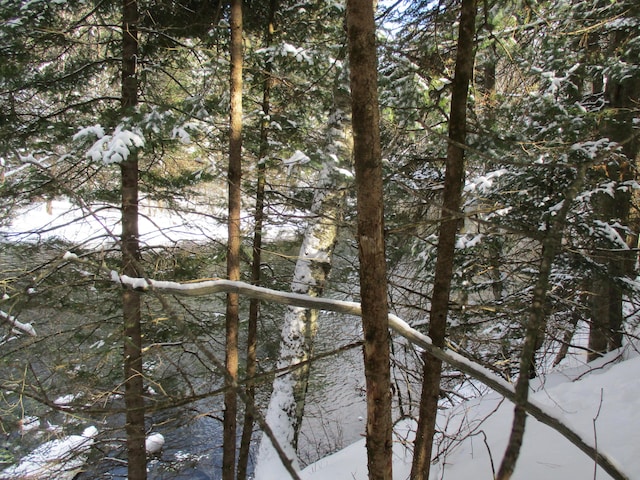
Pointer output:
78, 350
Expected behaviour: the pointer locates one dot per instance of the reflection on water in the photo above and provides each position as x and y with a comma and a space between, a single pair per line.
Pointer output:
192, 449
75, 311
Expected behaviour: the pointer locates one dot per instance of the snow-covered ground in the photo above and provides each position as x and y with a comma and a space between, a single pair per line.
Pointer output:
601, 401
100, 224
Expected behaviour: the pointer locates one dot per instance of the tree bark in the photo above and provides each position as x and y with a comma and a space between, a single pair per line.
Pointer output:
599, 323
233, 248
622, 97
133, 375
256, 262
371, 248
606, 322
450, 221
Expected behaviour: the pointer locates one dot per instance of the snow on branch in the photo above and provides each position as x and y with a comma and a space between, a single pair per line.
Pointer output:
17, 326
113, 148
536, 410
61, 458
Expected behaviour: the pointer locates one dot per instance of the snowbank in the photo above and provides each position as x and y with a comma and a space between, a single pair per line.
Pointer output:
59, 219
601, 405
60, 459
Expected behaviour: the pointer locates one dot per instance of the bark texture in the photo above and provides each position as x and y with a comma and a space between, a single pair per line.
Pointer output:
133, 375
373, 274
607, 322
450, 222
233, 247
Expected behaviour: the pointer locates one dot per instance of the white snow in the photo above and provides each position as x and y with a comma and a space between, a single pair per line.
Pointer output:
483, 182
94, 131
29, 423
468, 241
297, 158
345, 172
154, 443
591, 149
99, 225
181, 134
69, 256
59, 459
288, 50
66, 399
114, 148
136, 283
18, 327
555, 82
602, 405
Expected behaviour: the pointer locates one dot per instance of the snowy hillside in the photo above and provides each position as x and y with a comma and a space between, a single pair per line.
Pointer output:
600, 401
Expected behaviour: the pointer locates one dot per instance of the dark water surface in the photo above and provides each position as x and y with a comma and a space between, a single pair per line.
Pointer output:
75, 312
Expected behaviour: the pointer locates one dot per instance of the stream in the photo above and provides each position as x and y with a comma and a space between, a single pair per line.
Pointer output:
76, 362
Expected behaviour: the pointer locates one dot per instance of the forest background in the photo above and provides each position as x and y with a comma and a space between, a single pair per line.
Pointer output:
508, 140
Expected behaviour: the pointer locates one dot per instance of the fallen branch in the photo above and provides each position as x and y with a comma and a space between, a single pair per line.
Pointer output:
402, 328
399, 326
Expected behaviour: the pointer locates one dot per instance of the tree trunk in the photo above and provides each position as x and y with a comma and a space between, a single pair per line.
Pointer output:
550, 245
286, 407
607, 317
599, 324
454, 176
622, 99
254, 305
233, 248
371, 248
623, 96
133, 376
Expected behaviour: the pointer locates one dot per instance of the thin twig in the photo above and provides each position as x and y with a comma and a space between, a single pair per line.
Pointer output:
595, 434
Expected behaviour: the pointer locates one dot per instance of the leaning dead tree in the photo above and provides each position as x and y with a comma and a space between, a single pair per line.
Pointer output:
313, 264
